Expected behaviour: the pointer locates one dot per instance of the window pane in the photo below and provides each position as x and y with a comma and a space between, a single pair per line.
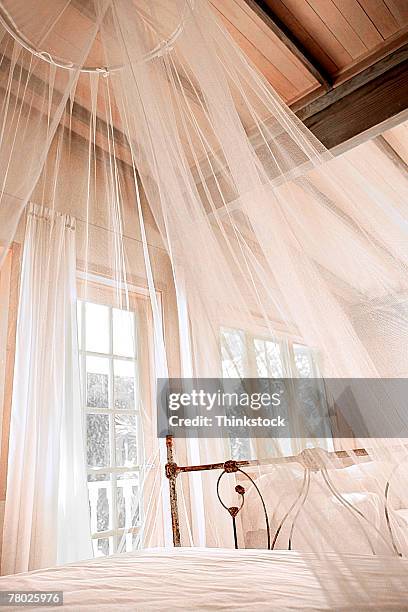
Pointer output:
303, 360
268, 358
132, 541
240, 449
123, 333
103, 510
125, 440
97, 328
97, 382
234, 355
128, 500
102, 547
135, 541
97, 440
97, 476
121, 507
124, 384
100, 501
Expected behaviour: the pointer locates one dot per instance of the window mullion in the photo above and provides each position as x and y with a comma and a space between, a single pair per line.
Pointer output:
137, 398
250, 356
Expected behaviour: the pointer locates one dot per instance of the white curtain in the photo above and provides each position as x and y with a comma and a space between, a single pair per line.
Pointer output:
46, 515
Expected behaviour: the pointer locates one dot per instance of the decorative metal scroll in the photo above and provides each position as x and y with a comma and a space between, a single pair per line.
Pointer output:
229, 468
312, 460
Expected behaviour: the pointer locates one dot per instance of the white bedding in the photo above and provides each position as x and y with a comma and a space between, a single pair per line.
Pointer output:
221, 579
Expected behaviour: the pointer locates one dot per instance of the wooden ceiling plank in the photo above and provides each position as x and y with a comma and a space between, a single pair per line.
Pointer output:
278, 80
360, 22
381, 52
339, 26
319, 31
263, 11
317, 51
399, 10
272, 46
381, 16
265, 41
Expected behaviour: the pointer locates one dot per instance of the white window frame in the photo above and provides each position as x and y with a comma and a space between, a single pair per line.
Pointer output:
115, 533
279, 338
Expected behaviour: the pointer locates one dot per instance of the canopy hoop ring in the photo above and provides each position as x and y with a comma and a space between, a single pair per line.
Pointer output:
162, 47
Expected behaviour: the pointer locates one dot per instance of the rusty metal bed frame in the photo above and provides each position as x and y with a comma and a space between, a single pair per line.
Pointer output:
312, 460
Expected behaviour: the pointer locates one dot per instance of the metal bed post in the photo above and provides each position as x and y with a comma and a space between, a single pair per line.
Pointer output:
172, 473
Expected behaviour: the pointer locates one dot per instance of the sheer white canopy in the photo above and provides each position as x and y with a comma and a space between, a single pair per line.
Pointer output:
188, 175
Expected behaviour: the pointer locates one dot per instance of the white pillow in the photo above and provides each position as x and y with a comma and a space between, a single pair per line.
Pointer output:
324, 523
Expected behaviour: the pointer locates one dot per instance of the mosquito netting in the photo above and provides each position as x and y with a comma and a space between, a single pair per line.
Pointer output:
152, 180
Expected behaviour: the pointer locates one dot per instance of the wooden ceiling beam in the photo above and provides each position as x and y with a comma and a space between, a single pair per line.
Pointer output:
373, 97
287, 37
305, 109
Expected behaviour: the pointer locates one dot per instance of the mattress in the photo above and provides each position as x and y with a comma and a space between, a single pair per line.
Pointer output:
220, 579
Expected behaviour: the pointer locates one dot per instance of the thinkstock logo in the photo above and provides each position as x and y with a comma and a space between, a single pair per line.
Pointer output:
282, 408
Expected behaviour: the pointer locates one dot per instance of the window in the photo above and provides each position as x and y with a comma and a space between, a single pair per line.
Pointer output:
247, 355
110, 392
